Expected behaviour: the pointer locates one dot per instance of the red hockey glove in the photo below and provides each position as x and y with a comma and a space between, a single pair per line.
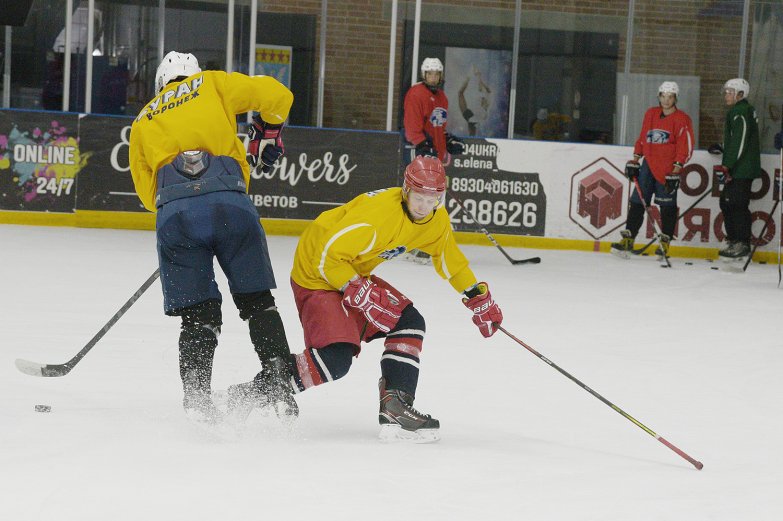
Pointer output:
722, 173
632, 169
378, 305
266, 144
486, 314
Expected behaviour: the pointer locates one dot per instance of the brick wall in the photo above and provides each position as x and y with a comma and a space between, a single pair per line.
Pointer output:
671, 36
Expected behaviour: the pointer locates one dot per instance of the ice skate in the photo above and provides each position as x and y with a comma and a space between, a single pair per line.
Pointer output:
417, 256
737, 251
662, 251
725, 252
270, 389
400, 421
200, 409
624, 246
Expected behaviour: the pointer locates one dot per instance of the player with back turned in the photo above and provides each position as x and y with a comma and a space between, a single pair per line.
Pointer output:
665, 144
342, 304
189, 166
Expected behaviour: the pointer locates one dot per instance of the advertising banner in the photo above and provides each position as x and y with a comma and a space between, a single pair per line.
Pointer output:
40, 157
323, 169
501, 201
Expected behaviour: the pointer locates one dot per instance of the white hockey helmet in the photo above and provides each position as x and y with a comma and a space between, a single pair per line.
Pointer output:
431, 64
174, 65
739, 85
669, 87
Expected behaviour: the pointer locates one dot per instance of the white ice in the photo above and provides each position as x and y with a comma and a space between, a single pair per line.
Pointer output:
691, 353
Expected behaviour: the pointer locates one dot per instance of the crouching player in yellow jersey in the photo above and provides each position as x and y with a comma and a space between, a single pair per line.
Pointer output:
341, 304
189, 166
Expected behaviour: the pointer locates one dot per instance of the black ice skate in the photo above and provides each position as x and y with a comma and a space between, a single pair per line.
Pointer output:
269, 389
624, 247
736, 251
199, 408
726, 250
400, 421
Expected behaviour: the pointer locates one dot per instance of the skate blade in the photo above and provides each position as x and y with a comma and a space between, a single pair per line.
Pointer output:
395, 434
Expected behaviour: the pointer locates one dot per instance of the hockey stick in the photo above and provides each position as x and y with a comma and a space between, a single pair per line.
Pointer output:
780, 196
36, 369
761, 235
531, 260
639, 251
652, 220
624, 414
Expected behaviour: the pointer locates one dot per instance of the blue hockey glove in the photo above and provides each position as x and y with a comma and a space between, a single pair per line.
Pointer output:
672, 183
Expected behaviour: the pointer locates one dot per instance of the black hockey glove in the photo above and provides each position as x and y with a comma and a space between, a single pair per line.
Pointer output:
715, 149
632, 169
672, 183
779, 140
266, 144
454, 145
426, 148
721, 173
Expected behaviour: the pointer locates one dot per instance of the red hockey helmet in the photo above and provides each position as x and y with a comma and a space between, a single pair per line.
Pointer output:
425, 175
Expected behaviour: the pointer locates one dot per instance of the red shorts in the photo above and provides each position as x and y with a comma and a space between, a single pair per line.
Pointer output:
326, 321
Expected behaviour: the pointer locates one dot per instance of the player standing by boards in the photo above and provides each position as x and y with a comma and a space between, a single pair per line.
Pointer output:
666, 145
741, 164
189, 166
341, 303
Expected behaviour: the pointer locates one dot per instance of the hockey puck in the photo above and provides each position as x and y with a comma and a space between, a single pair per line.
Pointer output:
43, 408
762, 262
689, 264
713, 267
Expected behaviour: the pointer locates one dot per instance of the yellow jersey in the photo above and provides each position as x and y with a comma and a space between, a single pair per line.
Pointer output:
372, 228
199, 113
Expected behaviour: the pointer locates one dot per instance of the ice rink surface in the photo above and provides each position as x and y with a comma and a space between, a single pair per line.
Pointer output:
692, 353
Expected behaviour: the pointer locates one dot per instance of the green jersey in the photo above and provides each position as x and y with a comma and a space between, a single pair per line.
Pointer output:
741, 151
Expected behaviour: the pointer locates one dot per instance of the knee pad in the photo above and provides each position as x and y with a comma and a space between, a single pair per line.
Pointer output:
251, 303
316, 366
668, 219
407, 335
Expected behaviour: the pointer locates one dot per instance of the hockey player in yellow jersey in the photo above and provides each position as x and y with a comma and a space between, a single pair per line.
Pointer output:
341, 304
189, 166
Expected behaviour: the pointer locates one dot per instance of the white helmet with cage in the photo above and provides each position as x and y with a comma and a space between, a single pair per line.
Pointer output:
669, 87
738, 85
174, 65
431, 64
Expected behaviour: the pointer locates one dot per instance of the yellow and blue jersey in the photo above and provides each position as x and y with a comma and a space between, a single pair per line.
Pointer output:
199, 113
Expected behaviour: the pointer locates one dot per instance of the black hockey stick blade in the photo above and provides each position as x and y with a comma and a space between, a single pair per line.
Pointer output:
36, 369
531, 260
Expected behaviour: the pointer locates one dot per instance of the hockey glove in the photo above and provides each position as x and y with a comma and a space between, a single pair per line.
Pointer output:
266, 144
632, 169
672, 183
454, 145
378, 305
715, 149
779, 140
721, 173
426, 148
486, 314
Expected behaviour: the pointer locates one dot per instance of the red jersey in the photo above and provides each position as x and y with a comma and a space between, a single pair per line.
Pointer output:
425, 116
665, 140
